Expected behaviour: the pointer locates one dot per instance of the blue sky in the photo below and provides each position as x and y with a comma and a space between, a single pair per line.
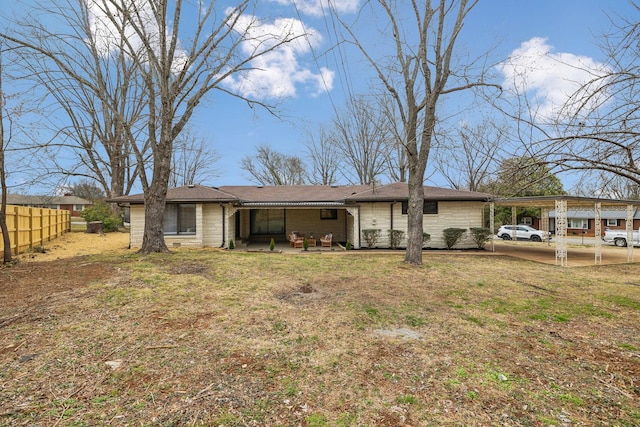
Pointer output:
310, 85
567, 29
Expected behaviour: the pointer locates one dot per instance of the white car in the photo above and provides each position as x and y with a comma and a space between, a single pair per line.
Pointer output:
523, 232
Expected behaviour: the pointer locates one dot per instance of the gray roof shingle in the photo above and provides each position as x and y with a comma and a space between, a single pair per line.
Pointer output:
305, 195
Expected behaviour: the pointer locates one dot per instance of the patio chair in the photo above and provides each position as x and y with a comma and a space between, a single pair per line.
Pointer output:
295, 240
326, 240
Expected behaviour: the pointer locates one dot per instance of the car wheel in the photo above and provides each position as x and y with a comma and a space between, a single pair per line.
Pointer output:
620, 242
505, 237
535, 238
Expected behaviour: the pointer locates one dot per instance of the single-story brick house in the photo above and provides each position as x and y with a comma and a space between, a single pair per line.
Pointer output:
582, 221
201, 216
68, 202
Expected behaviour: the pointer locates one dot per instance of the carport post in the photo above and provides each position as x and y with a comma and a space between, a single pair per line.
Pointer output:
598, 232
492, 224
561, 232
629, 224
514, 221
544, 219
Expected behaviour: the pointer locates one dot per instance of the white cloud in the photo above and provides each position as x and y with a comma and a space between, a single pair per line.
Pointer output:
278, 73
108, 35
321, 7
549, 77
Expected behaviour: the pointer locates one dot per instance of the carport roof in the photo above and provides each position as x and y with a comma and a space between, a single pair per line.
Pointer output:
550, 201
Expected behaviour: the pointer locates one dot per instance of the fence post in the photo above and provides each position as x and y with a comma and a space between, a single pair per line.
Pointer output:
31, 236
16, 231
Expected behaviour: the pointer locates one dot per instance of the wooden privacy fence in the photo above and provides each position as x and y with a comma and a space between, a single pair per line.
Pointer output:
31, 227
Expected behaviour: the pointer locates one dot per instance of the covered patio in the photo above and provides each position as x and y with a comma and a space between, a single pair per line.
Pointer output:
561, 204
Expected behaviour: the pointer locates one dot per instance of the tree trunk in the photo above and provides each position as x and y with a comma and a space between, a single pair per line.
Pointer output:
413, 254
155, 199
6, 241
154, 204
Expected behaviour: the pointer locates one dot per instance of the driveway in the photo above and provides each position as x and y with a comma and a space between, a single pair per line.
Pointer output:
577, 254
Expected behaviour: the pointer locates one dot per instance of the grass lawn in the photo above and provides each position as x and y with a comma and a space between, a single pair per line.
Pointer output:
217, 338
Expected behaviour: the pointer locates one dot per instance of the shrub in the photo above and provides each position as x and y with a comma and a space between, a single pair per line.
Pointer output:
426, 238
480, 236
272, 244
371, 236
100, 211
348, 245
231, 244
305, 244
395, 237
452, 236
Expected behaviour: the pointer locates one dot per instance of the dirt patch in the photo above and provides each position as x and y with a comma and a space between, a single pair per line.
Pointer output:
31, 283
77, 244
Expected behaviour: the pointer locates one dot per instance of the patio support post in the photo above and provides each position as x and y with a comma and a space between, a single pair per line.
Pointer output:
355, 212
544, 220
492, 223
561, 232
629, 227
229, 232
598, 232
514, 222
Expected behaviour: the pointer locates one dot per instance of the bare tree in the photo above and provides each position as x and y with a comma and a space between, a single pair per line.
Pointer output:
269, 167
5, 137
323, 157
605, 184
469, 156
421, 71
595, 133
396, 157
193, 161
362, 140
183, 51
89, 79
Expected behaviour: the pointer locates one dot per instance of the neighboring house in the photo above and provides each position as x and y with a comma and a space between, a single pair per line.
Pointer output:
200, 216
582, 221
70, 203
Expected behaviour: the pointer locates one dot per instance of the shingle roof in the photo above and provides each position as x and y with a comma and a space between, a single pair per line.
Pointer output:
189, 193
400, 191
297, 194
18, 199
604, 214
304, 195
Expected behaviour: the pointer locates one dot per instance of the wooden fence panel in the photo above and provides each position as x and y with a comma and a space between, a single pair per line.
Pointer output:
31, 227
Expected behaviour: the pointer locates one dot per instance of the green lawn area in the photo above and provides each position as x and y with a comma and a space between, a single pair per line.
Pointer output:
227, 338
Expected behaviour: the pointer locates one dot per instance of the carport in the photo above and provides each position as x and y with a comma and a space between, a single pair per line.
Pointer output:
561, 204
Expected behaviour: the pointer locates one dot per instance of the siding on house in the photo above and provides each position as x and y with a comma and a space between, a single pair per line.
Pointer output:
450, 215
308, 221
136, 217
212, 225
189, 240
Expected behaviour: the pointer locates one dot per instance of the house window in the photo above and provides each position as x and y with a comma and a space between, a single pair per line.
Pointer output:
267, 221
180, 219
612, 222
429, 208
78, 208
527, 220
577, 223
328, 213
